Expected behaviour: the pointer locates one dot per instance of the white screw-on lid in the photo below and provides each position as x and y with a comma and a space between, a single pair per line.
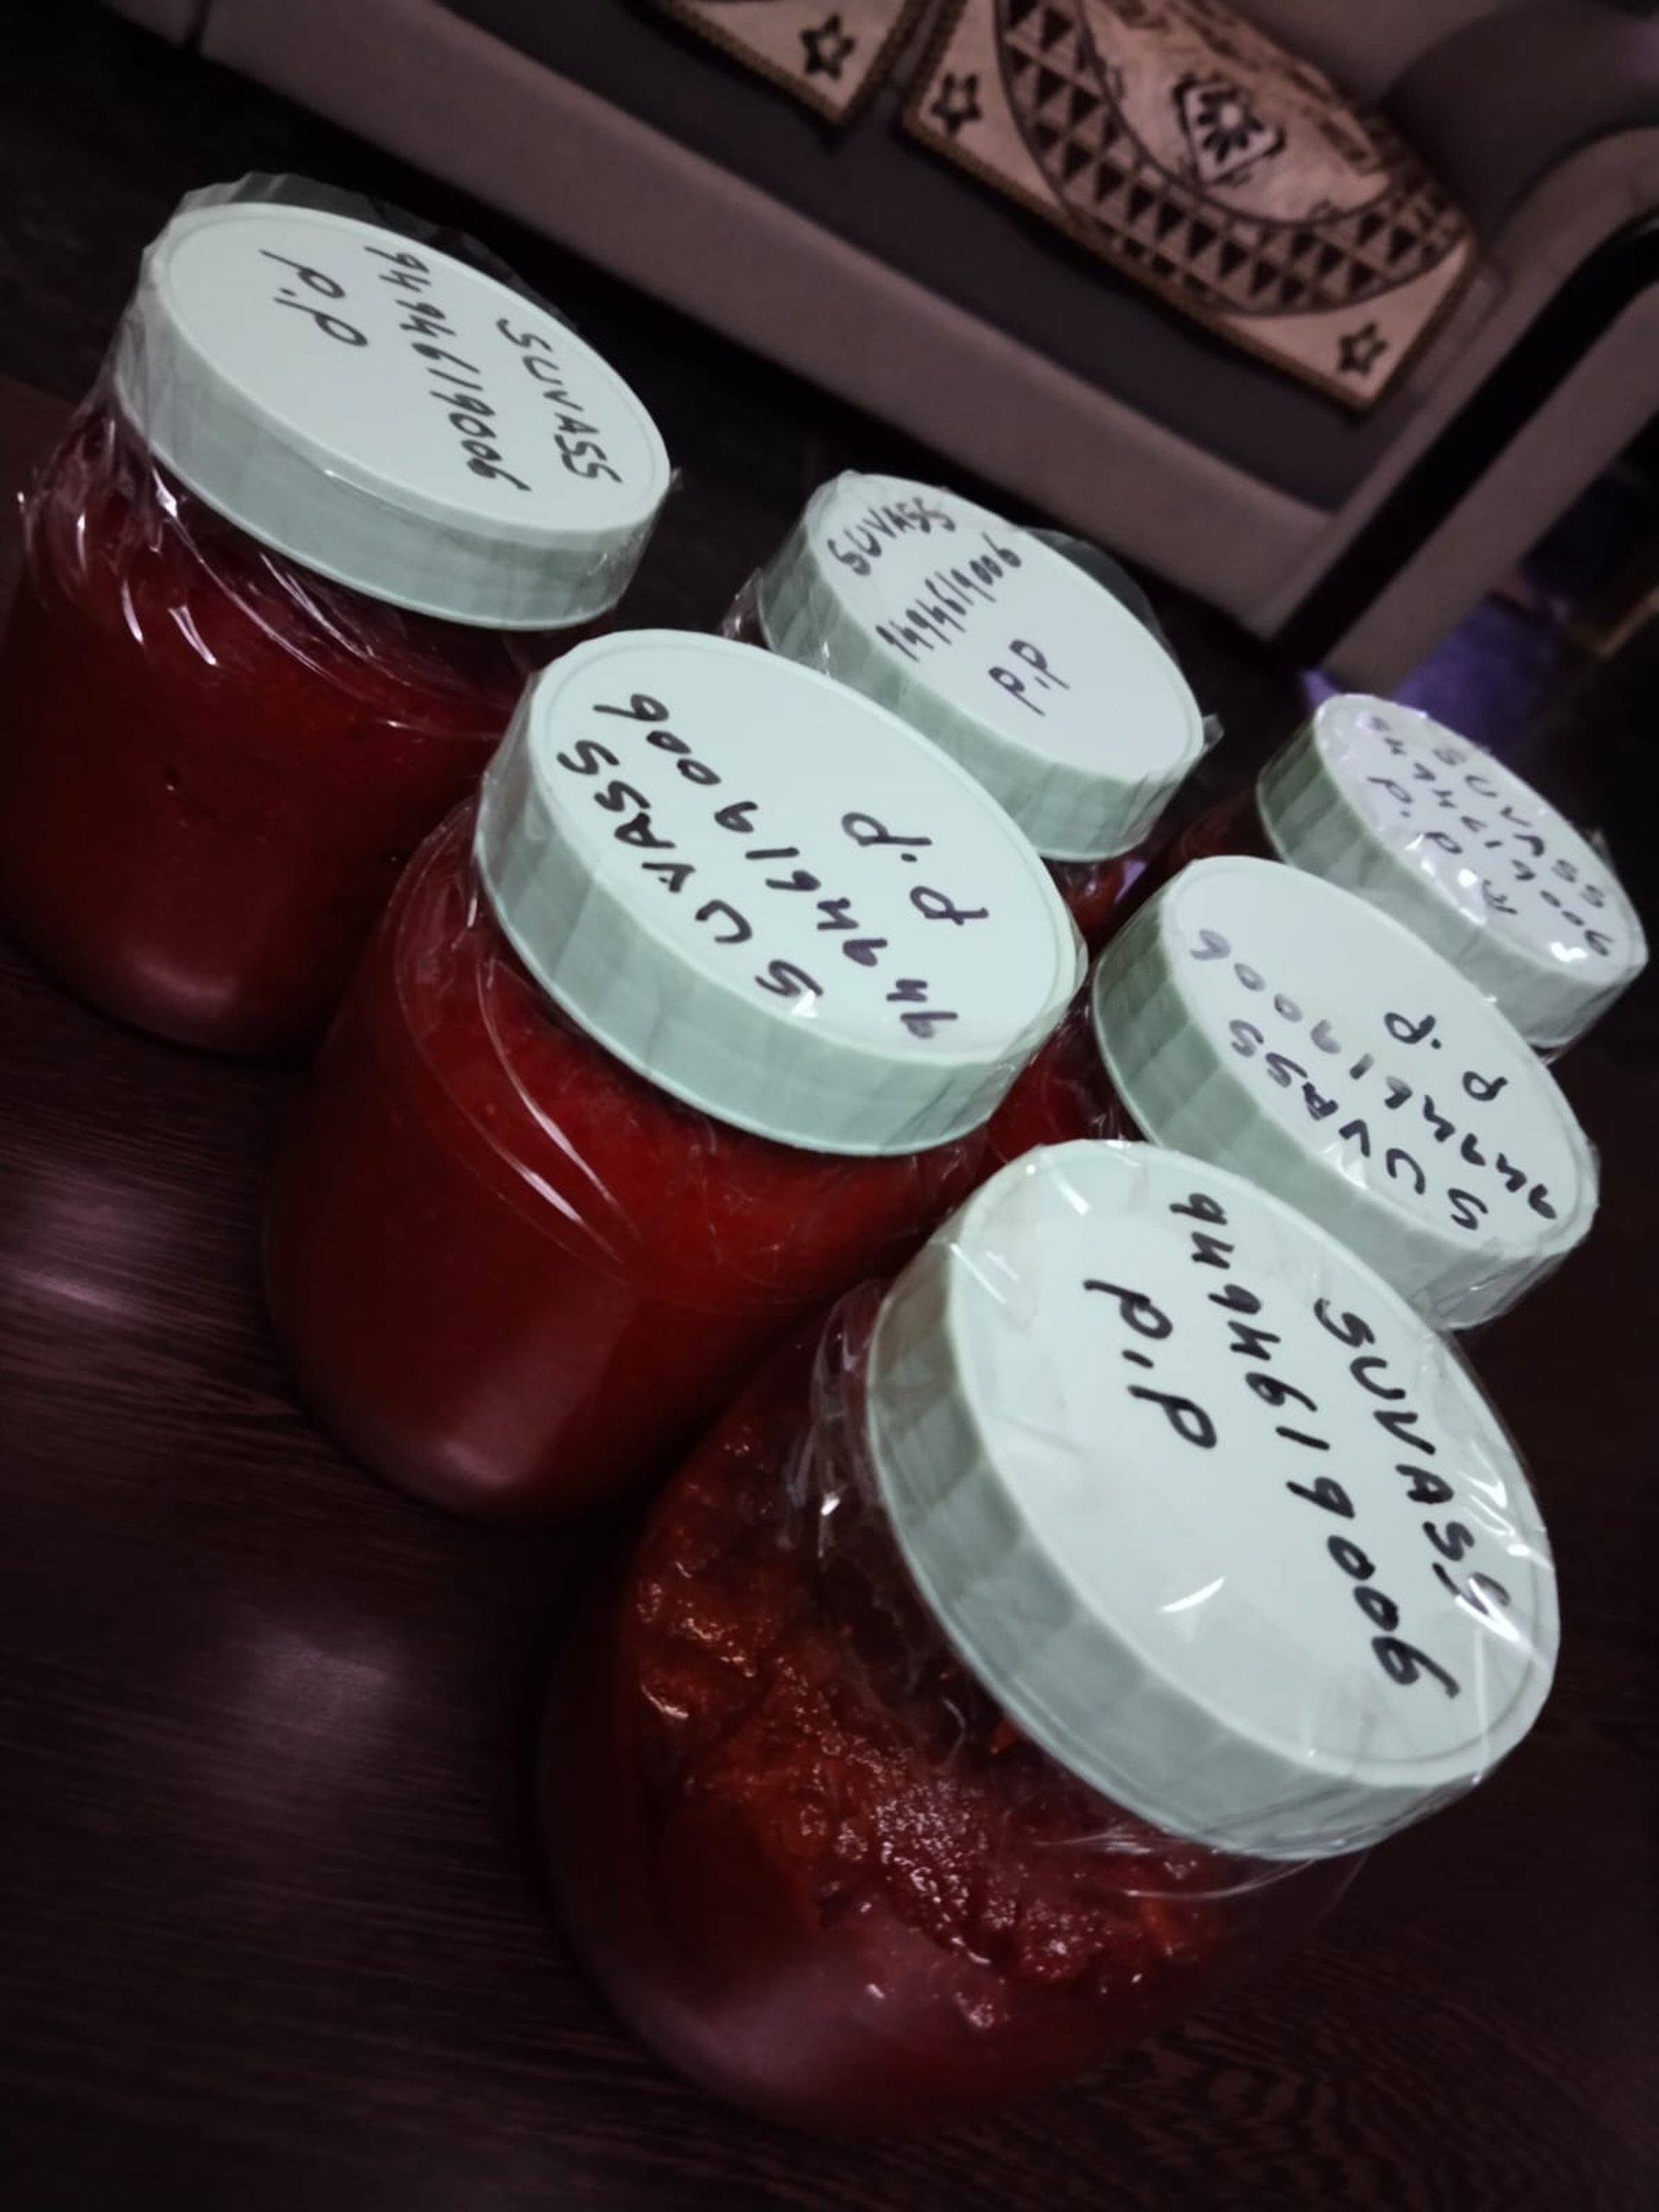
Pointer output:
1219, 1521
770, 897
388, 416
1270, 1022
1430, 828
1013, 658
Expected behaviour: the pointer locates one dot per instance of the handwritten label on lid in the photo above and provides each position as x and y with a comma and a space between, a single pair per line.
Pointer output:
1278, 1494
770, 898
1490, 845
409, 372
800, 849
1373, 1053
1003, 627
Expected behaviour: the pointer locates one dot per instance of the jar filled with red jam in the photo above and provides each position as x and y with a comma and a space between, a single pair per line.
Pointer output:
695, 1020
335, 495
1435, 831
1007, 650
1274, 1024
1023, 1663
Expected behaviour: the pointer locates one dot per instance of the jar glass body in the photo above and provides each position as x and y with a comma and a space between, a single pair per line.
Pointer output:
1232, 825
1064, 1094
800, 1848
1101, 894
213, 763
510, 1273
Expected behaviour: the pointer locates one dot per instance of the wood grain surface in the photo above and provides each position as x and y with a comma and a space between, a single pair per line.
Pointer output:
271, 1930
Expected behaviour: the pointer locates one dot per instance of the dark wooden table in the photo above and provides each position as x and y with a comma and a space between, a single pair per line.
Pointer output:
271, 1933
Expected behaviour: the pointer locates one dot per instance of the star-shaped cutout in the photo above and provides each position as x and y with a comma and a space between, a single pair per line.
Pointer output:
1358, 353
826, 47
958, 101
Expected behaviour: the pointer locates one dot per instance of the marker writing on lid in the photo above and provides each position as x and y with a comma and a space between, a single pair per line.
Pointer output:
767, 866
1239, 1331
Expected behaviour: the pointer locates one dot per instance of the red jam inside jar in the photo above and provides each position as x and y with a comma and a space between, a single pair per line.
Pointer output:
214, 764
1065, 1094
1097, 893
813, 1863
806, 1822
1008, 653
259, 649
1232, 825
531, 1230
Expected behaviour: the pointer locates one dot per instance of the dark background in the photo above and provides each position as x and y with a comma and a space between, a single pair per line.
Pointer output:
272, 1930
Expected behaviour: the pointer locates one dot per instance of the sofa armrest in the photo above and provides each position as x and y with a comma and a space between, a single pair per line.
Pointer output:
1498, 105
179, 19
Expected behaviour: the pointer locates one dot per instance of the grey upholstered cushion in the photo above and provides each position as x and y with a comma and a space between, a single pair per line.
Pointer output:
1366, 45
898, 203
1504, 101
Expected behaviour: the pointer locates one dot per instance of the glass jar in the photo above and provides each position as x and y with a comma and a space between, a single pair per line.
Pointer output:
282, 585
1435, 831
1274, 1024
1064, 1094
1022, 1667
1006, 646
697, 1021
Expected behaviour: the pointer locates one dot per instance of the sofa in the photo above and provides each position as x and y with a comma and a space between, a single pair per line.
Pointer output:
1355, 541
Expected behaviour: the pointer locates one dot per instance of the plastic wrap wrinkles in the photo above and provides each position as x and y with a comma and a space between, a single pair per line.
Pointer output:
394, 658
1340, 1345
826, 1798
1094, 890
1456, 905
702, 1204
968, 1784
217, 760
742, 620
107, 525
289, 190
1083, 882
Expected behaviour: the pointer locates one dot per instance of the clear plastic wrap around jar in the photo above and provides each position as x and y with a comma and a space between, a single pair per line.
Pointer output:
1096, 892
1082, 729
1232, 826
1065, 1094
261, 643
1269, 1021
214, 764
809, 1821
1434, 830
509, 1273
557, 1183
